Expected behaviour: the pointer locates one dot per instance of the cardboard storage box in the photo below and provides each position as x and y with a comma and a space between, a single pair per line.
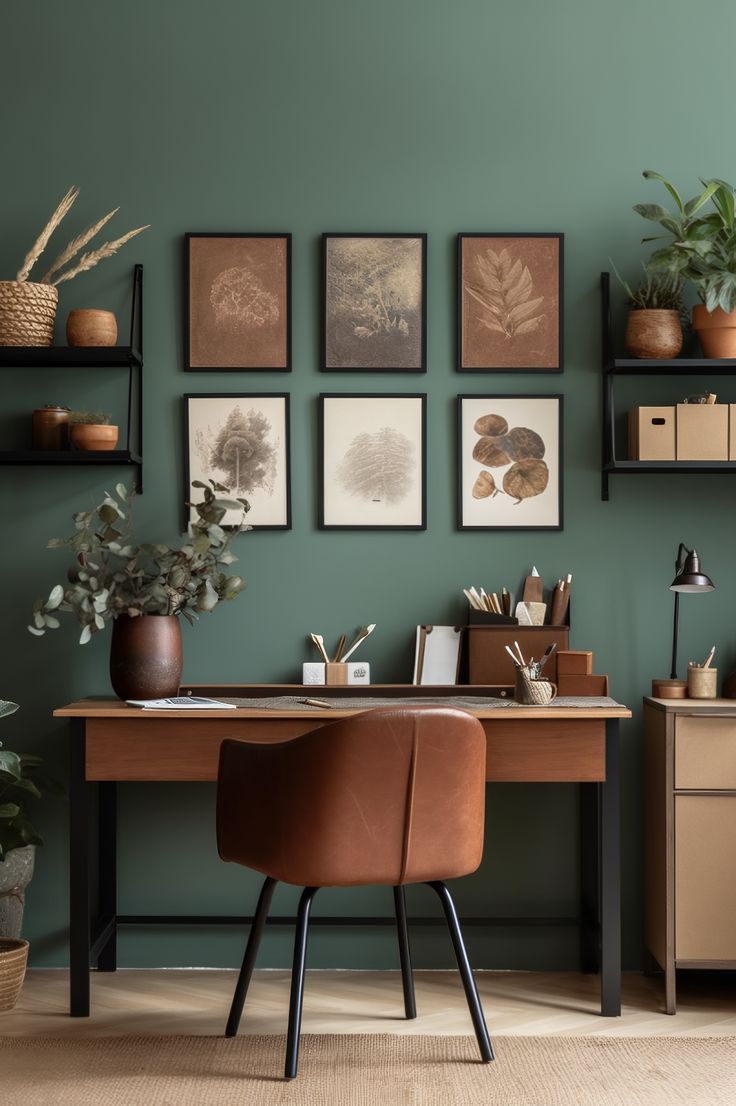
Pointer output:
582, 685
574, 662
702, 431
652, 434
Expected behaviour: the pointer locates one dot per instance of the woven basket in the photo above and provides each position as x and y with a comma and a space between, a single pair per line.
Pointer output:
536, 693
13, 959
27, 313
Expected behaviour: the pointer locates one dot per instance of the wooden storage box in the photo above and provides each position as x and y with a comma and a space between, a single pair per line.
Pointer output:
582, 685
652, 434
488, 661
732, 431
702, 431
574, 662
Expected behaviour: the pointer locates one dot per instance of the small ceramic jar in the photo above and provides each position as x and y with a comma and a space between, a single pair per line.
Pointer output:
701, 682
87, 326
50, 428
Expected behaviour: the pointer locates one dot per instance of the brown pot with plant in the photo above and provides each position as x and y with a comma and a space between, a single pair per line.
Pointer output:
28, 308
656, 316
702, 251
92, 430
143, 589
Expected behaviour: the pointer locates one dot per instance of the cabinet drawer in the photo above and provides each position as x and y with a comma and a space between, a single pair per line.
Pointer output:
705, 752
705, 888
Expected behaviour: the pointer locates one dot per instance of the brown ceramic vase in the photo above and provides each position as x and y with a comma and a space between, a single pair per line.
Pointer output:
88, 326
146, 657
716, 331
653, 333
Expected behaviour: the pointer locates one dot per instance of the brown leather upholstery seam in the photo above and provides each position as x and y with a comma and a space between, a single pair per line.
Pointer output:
409, 811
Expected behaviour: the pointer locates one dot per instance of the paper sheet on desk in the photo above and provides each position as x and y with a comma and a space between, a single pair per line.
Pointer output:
464, 702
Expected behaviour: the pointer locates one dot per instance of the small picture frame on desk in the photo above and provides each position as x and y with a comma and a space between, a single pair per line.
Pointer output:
241, 440
372, 462
509, 462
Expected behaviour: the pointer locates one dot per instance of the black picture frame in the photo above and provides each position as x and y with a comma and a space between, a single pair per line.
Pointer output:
390, 398
469, 468
192, 236
324, 341
559, 367
187, 399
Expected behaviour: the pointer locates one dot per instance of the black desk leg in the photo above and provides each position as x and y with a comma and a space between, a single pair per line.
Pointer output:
107, 878
610, 879
79, 875
590, 888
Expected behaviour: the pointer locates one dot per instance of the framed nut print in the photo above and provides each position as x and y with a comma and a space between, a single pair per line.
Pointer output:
374, 302
372, 462
509, 462
241, 440
510, 303
238, 302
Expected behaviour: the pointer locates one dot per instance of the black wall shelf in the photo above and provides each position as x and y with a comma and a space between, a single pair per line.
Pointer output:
613, 367
128, 357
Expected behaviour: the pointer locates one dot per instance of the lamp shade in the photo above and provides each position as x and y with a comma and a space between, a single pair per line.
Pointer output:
689, 577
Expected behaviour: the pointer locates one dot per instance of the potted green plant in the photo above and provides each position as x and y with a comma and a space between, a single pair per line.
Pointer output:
18, 837
91, 430
656, 314
702, 251
144, 589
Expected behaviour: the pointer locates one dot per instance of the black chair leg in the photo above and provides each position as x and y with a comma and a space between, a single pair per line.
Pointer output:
466, 973
251, 951
407, 977
297, 981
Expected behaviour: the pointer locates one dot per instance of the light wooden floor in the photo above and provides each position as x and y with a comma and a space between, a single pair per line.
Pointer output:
194, 1002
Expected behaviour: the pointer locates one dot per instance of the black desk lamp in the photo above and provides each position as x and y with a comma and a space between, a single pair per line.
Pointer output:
688, 578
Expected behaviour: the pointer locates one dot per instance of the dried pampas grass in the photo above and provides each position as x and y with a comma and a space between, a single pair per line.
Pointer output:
87, 260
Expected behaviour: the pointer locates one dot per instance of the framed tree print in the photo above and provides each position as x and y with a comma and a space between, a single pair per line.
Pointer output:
372, 462
374, 303
509, 462
510, 303
241, 440
238, 302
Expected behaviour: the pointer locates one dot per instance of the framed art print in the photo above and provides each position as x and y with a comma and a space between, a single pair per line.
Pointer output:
241, 441
510, 303
372, 462
509, 462
238, 302
374, 302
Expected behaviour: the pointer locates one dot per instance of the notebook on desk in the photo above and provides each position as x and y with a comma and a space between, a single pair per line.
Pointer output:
181, 702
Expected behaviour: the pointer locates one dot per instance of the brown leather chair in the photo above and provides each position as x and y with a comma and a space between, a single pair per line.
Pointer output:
392, 796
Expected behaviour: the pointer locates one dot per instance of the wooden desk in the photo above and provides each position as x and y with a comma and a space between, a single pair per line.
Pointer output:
113, 743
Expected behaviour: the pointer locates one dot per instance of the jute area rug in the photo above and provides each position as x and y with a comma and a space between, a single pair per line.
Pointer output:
368, 1070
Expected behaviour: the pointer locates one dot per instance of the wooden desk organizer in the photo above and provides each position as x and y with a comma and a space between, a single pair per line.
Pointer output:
336, 675
488, 661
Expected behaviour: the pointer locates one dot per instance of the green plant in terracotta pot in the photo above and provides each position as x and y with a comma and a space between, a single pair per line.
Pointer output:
656, 314
92, 430
143, 588
702, 251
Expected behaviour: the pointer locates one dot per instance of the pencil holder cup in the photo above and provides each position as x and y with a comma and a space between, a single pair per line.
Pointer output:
531, 692
336, 674
701, 682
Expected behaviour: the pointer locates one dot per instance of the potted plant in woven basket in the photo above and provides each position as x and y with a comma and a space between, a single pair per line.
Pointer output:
656, 316
28, 308
19, 778
143, 588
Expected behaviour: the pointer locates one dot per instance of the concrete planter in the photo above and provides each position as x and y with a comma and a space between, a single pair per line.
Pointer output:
15, 875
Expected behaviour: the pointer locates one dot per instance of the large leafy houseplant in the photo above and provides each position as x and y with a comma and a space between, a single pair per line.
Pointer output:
17, 771
112, 575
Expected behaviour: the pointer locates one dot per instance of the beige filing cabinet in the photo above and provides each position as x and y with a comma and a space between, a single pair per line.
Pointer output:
690, 834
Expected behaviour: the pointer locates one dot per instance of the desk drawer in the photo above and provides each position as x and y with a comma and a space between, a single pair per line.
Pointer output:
705, 752
705, 890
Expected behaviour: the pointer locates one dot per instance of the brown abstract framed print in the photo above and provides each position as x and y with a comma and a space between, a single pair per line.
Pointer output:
238, 302
510, 303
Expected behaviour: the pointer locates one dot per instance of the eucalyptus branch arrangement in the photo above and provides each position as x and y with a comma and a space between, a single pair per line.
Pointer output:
113, 575
57, 273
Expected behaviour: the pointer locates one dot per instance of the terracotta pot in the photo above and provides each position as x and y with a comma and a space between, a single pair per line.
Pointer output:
146, 656
653, 333
93, 436
50, 428
716, 331
86, 326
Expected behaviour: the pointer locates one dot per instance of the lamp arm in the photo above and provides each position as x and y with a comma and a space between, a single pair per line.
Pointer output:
682, 553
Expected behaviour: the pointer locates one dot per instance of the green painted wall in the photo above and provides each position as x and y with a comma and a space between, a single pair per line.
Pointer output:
333, 115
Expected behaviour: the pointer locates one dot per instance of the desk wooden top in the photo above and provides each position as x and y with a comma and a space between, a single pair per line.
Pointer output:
117, 709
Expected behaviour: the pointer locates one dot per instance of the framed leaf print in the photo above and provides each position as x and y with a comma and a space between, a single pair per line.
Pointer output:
509, 462
510, 303
241, 440
238, 303
375, 302
372, 462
